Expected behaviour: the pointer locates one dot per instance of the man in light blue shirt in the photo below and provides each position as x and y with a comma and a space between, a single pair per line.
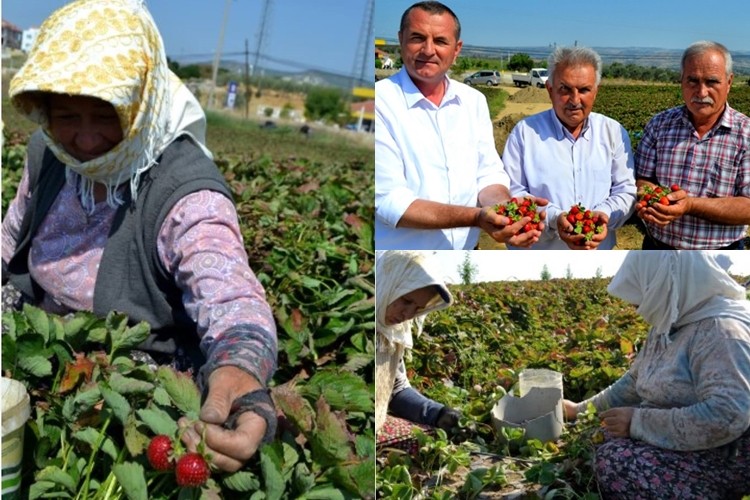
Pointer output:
570, 155
437, 171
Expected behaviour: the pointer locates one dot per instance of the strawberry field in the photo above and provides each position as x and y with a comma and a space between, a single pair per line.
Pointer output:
305, 206
470, 355
634, 105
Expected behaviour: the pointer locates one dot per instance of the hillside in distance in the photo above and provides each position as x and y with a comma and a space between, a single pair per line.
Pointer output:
641, 56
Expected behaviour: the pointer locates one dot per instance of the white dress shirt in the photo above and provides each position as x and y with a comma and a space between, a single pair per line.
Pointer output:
440, 153
543, 159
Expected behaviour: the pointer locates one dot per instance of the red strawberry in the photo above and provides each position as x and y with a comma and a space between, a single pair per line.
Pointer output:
675, 187
664, 200
192, 470
159, 453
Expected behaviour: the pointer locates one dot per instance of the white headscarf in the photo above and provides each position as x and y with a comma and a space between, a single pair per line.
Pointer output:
396, 274
110, 50
673, 288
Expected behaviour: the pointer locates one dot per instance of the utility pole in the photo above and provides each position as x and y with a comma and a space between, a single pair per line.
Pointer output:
261, 40
217, 57
247, 80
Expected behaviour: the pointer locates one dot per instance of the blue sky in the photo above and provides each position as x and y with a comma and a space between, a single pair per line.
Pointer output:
669, 24
324, 34
499, 265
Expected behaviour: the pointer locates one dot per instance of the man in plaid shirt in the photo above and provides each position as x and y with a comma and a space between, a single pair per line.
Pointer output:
704, 148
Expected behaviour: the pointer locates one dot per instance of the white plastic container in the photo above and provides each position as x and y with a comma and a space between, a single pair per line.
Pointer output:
539, 413
539, 377
16, 410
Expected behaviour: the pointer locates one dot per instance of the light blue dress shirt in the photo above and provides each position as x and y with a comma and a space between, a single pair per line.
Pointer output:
596, 170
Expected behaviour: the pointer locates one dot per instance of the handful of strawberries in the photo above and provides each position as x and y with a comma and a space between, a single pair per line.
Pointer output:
585, 222
515, 211
190, 469
651, 195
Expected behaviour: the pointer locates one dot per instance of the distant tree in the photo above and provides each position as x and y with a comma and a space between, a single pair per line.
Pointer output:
599, 272
568, 273
324, 103
467, 270
520, 62
546, 275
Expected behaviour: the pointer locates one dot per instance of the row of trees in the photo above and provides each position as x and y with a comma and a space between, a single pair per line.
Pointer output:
524, 62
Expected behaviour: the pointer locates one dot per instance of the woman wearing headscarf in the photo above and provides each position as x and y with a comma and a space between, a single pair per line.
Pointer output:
407, 289
121, 207
678, 422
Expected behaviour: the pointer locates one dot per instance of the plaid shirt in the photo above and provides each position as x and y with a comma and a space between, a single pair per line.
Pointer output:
714, 166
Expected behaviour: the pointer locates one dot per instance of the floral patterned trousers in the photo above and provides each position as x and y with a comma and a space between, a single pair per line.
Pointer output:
627, 468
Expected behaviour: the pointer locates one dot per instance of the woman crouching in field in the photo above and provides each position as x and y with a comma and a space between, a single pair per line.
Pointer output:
678, 422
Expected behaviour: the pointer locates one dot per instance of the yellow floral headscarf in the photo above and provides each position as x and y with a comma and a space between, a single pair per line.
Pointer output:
111, 50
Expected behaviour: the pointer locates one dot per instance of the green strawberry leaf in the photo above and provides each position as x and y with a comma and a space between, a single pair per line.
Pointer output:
127, 385
270, 466
158, 420
135, 440
296, 408
242, 481
131, 477
181, 389
92, 437
57, 476
342, 390
116, 402
38, 320
330, 441
125, 339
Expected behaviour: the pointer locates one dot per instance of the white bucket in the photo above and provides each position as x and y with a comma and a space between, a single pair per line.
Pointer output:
541, 378
15, 412
539, 413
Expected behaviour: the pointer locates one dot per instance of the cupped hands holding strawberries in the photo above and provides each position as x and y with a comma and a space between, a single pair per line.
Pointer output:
517, 222
660, 205
581, 228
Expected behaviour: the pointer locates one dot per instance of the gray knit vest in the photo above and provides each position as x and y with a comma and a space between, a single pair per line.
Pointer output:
131, 278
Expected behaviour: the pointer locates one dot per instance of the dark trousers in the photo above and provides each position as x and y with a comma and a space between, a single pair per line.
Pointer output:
413, 406
650, 243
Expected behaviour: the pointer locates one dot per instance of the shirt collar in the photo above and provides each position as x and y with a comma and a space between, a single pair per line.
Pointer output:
726, 121
412, 94
562, 132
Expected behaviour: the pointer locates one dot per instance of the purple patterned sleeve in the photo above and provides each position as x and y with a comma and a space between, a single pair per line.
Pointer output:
13, 217
201, 245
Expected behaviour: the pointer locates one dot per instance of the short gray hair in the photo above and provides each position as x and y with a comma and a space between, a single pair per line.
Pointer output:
703, 46
574, 56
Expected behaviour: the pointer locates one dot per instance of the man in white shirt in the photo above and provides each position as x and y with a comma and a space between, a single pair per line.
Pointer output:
570, 155
437, 172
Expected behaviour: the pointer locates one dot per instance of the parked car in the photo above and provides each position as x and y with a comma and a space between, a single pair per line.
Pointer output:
536, 77
486, 77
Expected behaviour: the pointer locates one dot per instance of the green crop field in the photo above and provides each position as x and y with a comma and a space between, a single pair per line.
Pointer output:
469, 357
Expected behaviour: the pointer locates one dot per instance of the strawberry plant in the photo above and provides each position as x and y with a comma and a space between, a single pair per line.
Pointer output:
469, 357
515, 211
651, 195
585, 222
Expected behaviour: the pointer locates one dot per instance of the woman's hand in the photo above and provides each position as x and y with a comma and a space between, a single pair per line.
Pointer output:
617, 421
571, 409
229, 449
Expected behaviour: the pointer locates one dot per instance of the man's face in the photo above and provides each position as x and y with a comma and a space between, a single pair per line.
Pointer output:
428, 46
573, 92
705, 86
